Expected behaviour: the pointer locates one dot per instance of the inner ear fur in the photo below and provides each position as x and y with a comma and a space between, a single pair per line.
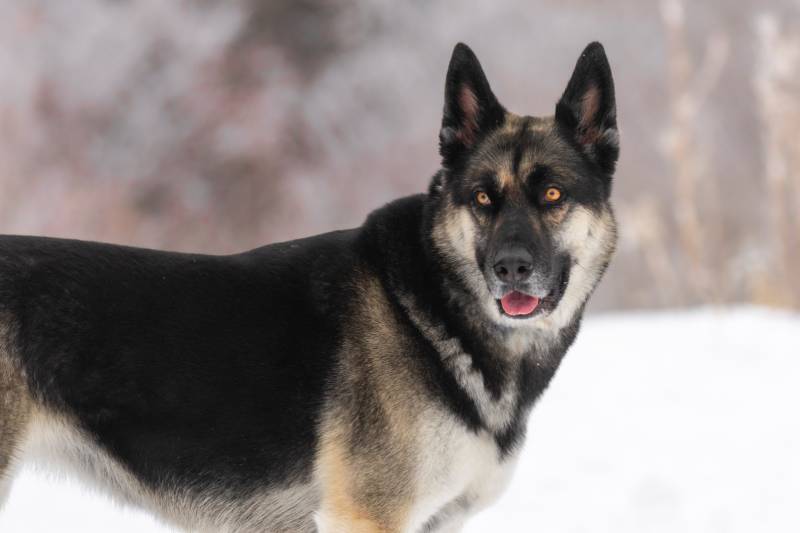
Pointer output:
470, 108
587, 109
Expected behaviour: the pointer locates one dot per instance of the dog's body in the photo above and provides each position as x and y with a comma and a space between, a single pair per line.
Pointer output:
375, 379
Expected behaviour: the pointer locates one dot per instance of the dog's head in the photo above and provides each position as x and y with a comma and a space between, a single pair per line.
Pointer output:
521, 204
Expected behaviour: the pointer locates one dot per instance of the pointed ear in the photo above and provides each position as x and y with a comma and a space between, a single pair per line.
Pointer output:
587, 111
470, 108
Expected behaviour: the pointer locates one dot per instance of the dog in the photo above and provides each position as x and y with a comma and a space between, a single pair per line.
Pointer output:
376, 379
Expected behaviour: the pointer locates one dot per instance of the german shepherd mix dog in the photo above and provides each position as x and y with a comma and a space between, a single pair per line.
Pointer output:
374, 379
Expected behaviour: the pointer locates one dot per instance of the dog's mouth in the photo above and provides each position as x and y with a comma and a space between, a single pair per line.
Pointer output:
517, 304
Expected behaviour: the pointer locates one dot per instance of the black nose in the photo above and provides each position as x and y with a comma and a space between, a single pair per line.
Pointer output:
513, 265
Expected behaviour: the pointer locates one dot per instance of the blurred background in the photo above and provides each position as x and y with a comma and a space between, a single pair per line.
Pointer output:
217, 127
220, 126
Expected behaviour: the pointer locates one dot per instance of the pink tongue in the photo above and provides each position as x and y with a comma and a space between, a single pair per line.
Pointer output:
516, 303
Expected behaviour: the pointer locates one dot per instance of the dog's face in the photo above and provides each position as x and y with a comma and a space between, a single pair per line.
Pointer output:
523, 213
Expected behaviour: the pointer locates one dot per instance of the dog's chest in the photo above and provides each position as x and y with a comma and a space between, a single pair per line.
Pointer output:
458, 473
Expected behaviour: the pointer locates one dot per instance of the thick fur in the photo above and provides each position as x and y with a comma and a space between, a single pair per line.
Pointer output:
357, 381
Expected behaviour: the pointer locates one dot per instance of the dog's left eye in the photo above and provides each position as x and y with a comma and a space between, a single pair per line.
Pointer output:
552, 195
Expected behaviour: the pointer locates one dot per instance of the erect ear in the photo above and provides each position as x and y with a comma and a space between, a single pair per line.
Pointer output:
587, 111
470, 108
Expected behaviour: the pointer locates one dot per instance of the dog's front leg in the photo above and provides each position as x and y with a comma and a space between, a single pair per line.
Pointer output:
358, 494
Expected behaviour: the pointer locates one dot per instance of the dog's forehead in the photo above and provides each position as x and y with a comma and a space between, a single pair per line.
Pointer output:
512, 151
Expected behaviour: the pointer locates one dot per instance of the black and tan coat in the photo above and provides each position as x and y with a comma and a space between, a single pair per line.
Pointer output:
370, 380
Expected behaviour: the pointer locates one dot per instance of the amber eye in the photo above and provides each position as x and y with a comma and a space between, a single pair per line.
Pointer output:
482, 198
552, 195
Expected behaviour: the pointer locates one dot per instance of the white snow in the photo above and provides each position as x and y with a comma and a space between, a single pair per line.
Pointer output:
682, 421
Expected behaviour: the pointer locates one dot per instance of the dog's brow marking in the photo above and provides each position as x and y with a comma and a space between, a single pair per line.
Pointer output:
505, 179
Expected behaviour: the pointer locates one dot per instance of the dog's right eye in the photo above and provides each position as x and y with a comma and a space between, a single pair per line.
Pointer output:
482, 198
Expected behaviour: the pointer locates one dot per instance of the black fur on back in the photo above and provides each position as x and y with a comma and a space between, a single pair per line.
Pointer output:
170, 358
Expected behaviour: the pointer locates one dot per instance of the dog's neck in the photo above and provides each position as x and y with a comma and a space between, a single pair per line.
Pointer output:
500, 370
501, 385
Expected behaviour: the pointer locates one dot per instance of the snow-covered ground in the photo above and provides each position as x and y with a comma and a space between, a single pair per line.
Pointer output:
674, 422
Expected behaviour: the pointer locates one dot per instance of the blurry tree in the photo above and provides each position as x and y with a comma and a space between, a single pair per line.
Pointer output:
777, 84
218, 126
